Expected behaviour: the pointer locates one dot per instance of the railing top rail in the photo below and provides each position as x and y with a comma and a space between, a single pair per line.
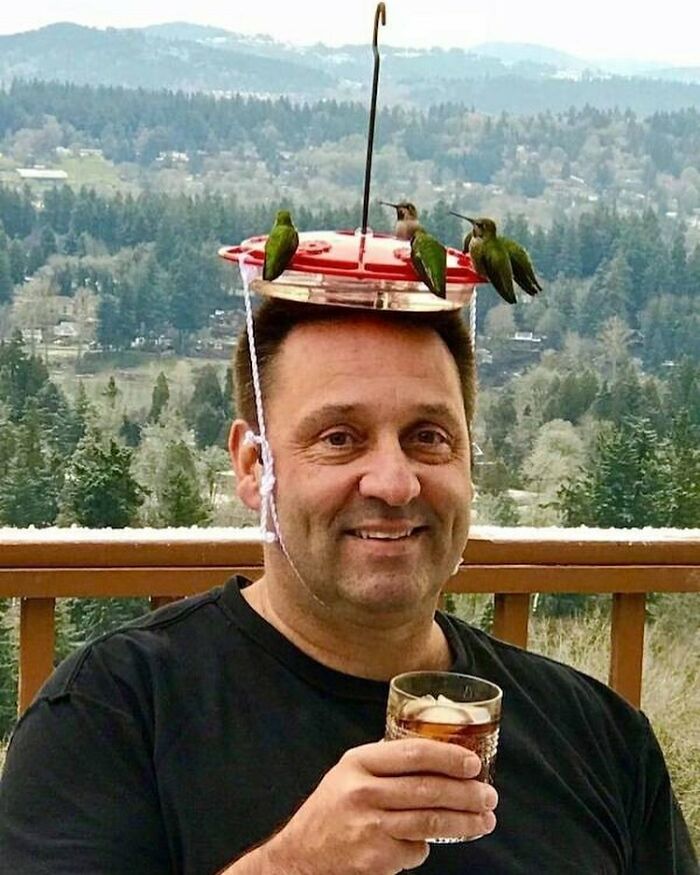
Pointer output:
210, 547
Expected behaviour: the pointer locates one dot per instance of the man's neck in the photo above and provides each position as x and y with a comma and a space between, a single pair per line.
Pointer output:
368, 649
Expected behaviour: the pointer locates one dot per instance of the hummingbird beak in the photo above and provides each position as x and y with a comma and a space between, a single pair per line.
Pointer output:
387, 204
460, 216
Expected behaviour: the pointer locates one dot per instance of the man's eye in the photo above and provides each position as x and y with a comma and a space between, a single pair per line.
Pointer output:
430, 437
340, 439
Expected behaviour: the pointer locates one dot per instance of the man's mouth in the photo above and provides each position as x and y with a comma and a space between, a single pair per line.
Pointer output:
376, 534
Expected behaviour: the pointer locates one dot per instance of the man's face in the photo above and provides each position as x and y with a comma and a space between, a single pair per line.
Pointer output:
367, 428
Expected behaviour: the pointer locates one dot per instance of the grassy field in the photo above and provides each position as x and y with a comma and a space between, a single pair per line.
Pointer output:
134, 372
93, 172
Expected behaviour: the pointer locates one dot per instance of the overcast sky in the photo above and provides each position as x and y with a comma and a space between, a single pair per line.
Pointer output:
668, 31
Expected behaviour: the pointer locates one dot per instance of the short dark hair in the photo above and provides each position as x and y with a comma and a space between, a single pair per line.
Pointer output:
275, 318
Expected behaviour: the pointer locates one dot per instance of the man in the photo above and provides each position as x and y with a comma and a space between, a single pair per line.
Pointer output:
239, 731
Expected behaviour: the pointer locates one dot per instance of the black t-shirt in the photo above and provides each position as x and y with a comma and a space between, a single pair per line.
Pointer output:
182, 740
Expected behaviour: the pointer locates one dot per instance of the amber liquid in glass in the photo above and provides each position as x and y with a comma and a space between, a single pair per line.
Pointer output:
482, 738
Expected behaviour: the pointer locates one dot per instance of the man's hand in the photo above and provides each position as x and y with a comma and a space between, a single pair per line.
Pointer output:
372, 812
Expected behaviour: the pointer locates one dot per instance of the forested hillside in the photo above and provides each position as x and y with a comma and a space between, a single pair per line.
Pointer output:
588, 392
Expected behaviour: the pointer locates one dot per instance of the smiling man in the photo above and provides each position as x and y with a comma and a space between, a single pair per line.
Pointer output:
371, 449
239, 731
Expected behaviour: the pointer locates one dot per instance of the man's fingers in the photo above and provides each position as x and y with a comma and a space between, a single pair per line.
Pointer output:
432, 791
416, 825
414, 854
408, 756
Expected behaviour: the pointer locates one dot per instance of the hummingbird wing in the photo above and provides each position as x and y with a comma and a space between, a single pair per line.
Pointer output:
491, 259
280, 247
429, 259
523, 271
467, 241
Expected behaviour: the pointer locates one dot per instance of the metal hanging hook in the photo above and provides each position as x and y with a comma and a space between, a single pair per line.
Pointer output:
379, 14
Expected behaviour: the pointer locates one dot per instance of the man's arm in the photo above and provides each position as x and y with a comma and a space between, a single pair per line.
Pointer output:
662, 840
78, 794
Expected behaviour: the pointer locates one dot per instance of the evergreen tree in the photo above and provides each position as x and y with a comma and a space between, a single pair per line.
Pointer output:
61, 424
625, 484
680, 461
18, 261
610, 294
6, 281
130, 431
159, 398
208, 426
21, 375
181, 503
229, 403
206, 410
29, 490
99, 489
111, 393
678, 274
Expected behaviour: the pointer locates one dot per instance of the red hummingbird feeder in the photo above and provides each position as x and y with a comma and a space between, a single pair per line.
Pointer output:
360, 268
357, 269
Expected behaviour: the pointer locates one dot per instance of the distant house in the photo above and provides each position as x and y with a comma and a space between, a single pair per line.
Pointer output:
173, 157
42, 174
66, 330
32, 335
526, 337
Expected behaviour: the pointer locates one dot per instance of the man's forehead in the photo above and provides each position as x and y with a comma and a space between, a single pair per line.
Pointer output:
320, 357
352, 335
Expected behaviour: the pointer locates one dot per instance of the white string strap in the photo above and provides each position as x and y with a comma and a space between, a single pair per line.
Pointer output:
267, 485
472, 320
268, 506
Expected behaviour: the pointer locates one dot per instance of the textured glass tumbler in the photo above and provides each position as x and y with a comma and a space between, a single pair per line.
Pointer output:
445, 706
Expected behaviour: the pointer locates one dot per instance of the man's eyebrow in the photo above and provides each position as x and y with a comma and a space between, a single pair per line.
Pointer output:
437, 411
333, 412
328, 413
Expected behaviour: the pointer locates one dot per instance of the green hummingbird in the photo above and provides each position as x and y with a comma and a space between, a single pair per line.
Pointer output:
500, 259
429, 258
280, 246
406, 219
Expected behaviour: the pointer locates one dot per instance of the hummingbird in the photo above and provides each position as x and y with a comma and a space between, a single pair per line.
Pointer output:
500, 259
429, 259
280, 246
406, 219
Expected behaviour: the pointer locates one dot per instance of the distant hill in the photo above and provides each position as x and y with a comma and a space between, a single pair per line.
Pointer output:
491, 77
678, 74
511, 53
84, 55
182, 30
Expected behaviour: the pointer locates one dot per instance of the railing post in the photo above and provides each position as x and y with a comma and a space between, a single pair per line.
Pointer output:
36, 647
627, 645
510, 617
157, 601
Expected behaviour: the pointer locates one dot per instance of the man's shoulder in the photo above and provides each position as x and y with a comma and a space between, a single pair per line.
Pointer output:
131, 653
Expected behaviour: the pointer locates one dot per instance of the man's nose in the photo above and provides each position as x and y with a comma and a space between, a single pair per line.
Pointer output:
390, 476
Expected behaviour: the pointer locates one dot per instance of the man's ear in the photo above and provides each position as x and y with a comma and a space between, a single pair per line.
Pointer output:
245, 458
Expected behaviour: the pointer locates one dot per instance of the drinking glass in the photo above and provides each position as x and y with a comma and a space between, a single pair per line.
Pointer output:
446, 706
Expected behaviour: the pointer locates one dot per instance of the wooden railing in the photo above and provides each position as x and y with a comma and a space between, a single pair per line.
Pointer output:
39, 566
